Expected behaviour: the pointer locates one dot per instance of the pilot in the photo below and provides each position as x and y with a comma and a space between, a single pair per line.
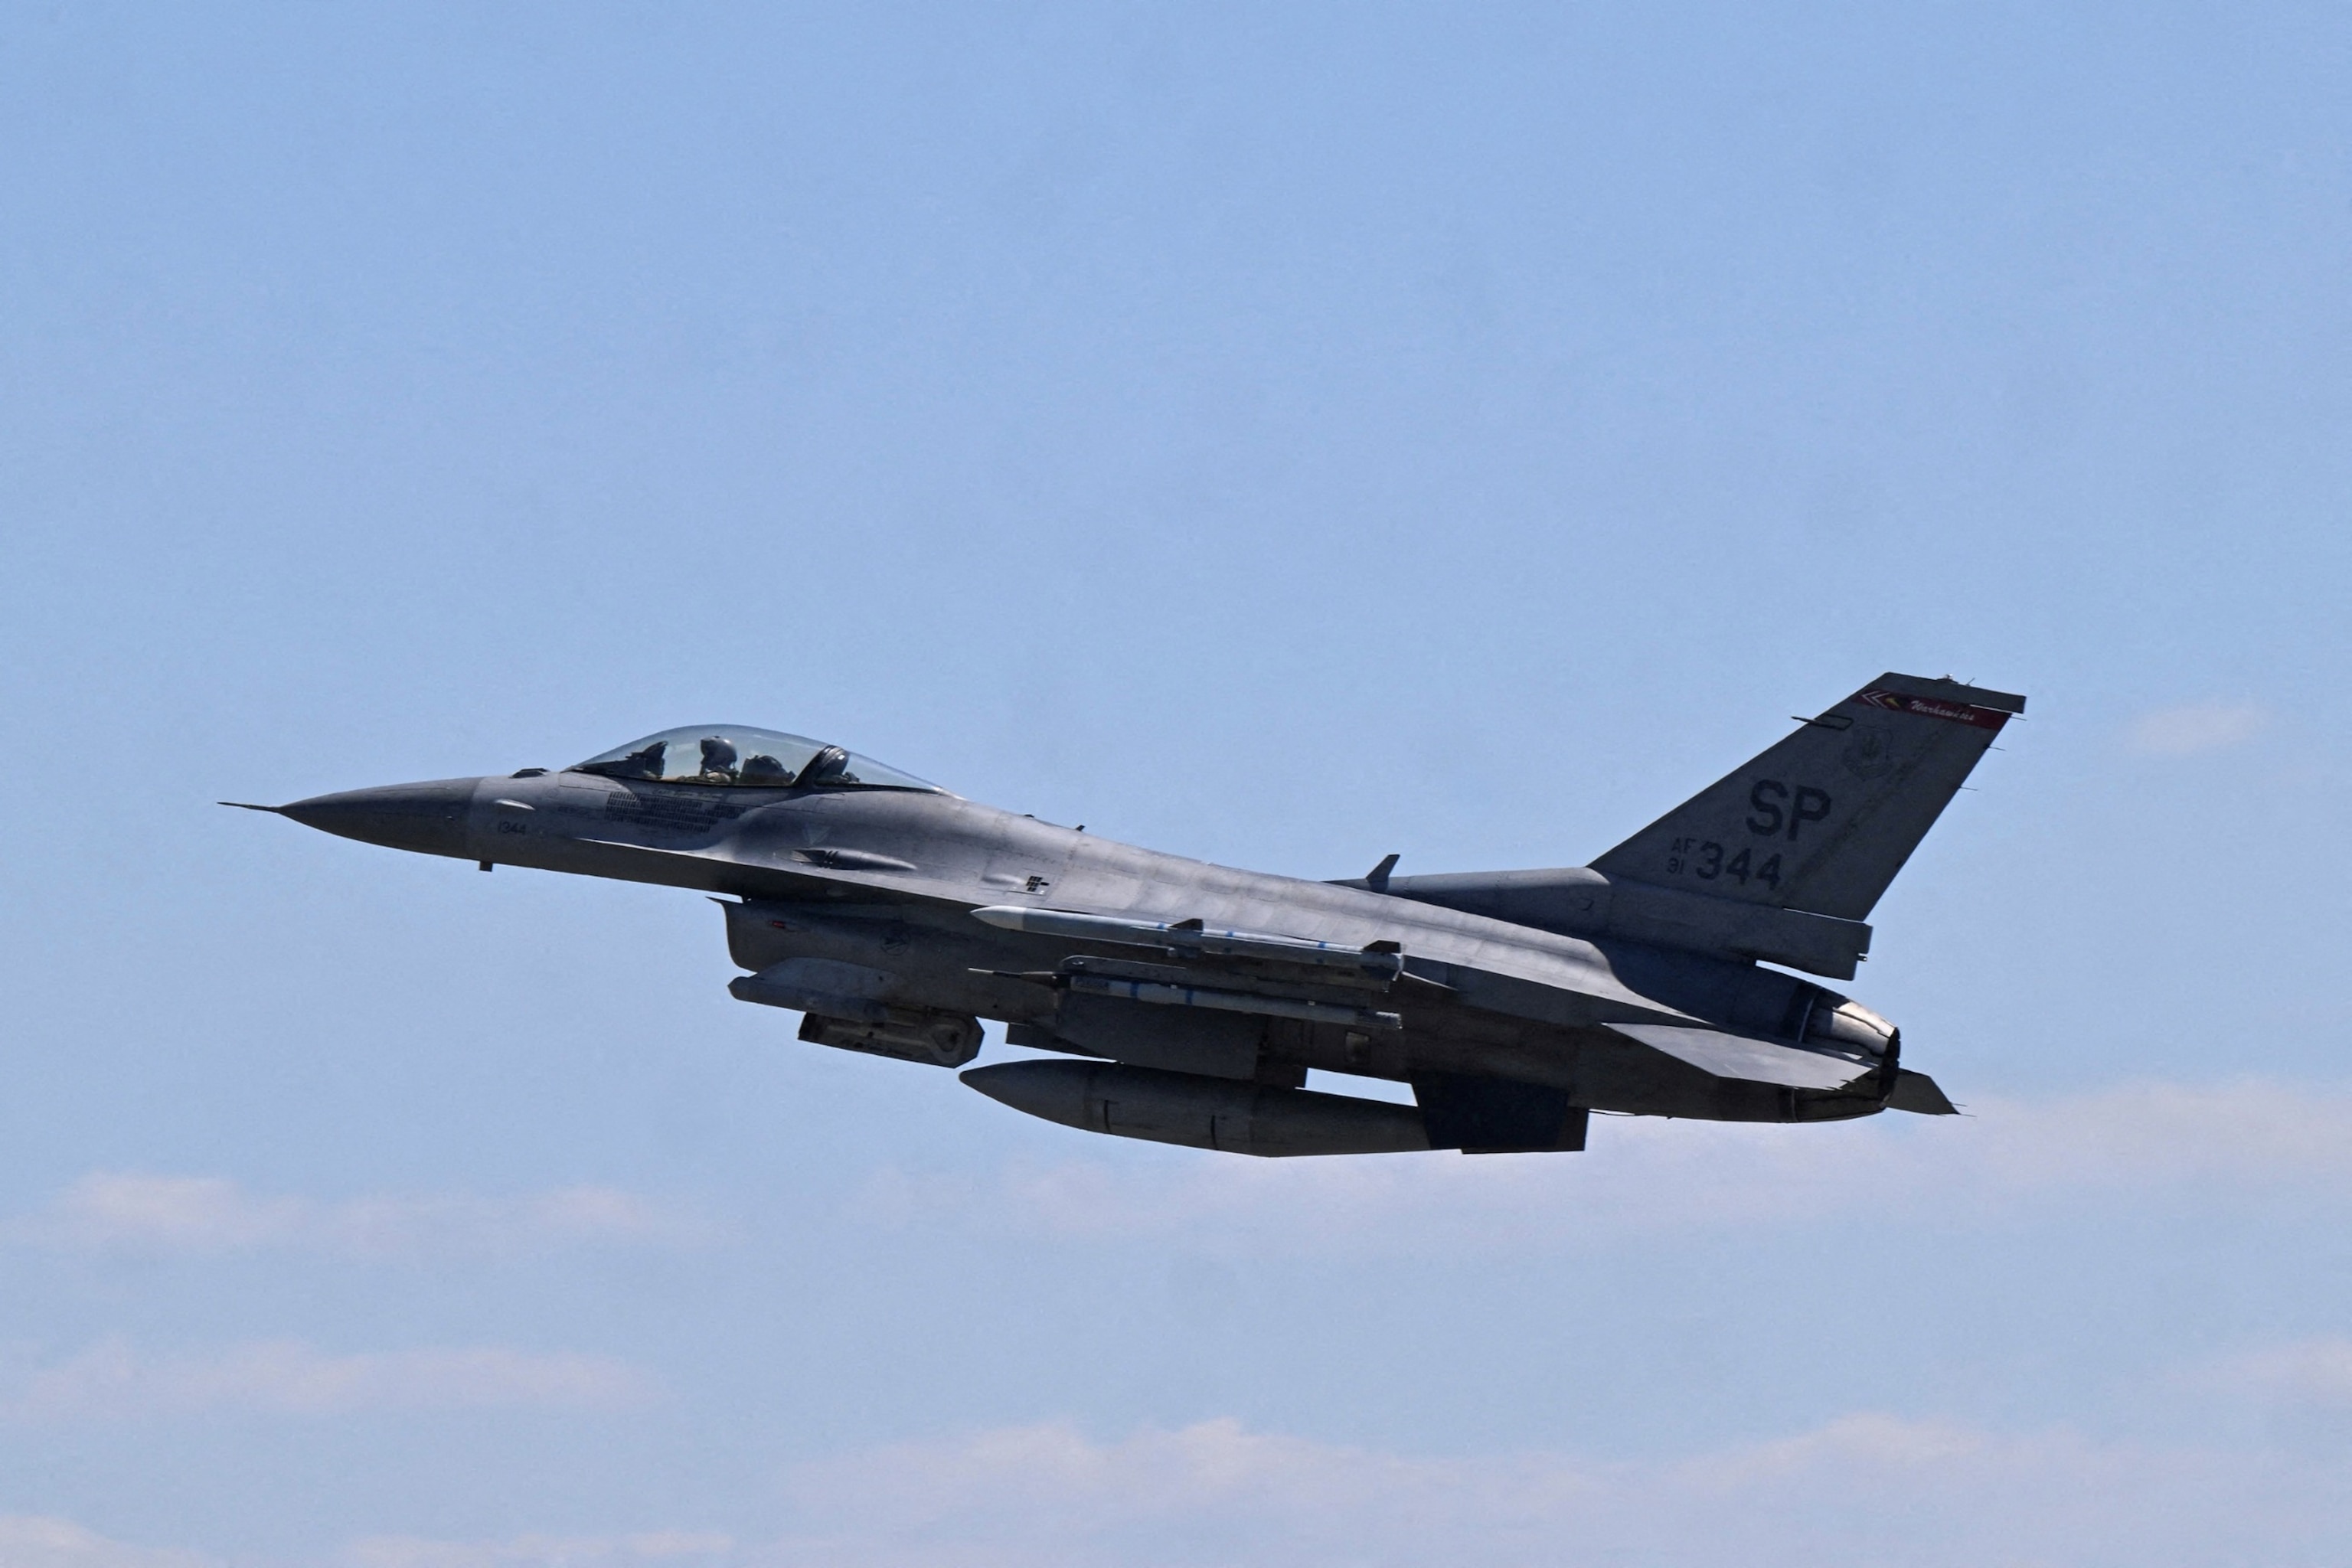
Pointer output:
830, 765
762, 769
717, 760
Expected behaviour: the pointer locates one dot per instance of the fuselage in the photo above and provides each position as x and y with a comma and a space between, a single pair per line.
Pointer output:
883, 883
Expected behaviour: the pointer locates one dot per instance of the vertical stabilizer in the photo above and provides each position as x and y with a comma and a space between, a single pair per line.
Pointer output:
1822, 821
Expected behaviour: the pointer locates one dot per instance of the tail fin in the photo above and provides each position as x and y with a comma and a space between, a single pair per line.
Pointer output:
1822, 821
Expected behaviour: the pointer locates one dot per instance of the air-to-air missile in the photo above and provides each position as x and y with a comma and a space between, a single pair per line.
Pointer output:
1186, 1002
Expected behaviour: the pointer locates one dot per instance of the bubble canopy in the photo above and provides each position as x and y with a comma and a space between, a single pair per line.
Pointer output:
738, 756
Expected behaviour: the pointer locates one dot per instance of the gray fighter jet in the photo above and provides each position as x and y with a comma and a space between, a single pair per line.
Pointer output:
1188, 1001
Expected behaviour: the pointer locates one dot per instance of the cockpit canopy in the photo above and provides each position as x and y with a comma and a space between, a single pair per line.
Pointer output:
736, 755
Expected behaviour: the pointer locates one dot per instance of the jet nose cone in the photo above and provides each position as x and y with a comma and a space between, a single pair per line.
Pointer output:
429, 819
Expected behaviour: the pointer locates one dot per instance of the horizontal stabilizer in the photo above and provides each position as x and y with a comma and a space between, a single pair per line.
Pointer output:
1917, 1093
1744, 1058
1578, 901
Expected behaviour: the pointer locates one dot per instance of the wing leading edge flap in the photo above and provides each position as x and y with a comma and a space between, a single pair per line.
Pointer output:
1743, 1056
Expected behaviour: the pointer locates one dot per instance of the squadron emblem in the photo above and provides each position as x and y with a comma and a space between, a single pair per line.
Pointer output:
1866, 755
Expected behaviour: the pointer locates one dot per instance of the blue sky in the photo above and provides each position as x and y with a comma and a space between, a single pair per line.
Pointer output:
1282, 435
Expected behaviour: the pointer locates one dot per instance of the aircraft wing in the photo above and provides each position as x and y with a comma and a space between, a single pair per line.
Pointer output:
1194, 965
1744, 1056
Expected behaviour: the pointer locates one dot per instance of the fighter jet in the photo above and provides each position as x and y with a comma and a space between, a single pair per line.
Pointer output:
1186, 1002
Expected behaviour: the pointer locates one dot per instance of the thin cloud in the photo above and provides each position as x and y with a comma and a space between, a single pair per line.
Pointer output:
36, 1540
2316, 1372
2240, 1140
1937, 1493
285, 1377
2196, 727
1868, 1485
124, 1210
649, 1549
